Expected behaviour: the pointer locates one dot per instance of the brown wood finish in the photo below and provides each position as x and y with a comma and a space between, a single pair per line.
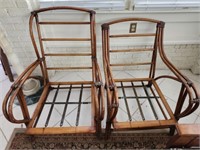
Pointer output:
133, 64
23, 105
59, 22
39, 106
164, 101
14, 92
6, 66
133, 79
67, 68
144, 124
131, 50
131, 35
65, 39
170, 118
71, 82
96, 86
188, 135
97, 89
58, 130
71, 54
15, 85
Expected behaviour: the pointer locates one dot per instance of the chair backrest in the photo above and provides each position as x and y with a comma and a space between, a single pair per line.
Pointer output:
146, 32
70, 33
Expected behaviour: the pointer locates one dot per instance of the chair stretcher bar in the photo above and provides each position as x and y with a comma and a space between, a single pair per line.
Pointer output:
66, 68
133, 64
131, 50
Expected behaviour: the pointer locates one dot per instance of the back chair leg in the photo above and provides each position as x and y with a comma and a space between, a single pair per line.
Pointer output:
172, 130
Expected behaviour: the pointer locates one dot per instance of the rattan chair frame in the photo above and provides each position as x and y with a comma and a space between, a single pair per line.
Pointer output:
188, 87
96, 85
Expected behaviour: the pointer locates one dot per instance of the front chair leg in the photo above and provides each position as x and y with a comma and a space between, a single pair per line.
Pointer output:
172, 130
98, 129
149, 84
108, 130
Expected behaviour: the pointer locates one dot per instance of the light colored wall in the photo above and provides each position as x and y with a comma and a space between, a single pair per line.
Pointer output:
181, 38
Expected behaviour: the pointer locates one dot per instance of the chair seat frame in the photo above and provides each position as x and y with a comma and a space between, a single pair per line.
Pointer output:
111, 83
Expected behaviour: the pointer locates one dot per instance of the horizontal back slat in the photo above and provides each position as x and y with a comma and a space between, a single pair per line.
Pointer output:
66, 39
68, 54
132, 35
62, 23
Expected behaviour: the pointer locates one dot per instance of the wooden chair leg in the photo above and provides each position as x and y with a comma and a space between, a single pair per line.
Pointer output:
108, 130
4, 68
172, 131
6, 65
98, 129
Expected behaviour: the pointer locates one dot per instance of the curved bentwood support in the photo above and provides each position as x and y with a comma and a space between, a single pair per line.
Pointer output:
55, 112
164, 117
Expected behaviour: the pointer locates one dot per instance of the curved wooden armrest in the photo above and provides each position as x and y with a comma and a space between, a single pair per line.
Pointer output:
114, 103
24, 73
100, 95
193, 103
188, 83
111, 89
112, 96
188, 88
16, 91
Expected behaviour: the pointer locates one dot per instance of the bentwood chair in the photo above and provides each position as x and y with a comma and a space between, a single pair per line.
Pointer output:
141, 96
84, 98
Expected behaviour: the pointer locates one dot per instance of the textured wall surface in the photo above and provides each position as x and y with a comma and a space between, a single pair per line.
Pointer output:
181, 37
